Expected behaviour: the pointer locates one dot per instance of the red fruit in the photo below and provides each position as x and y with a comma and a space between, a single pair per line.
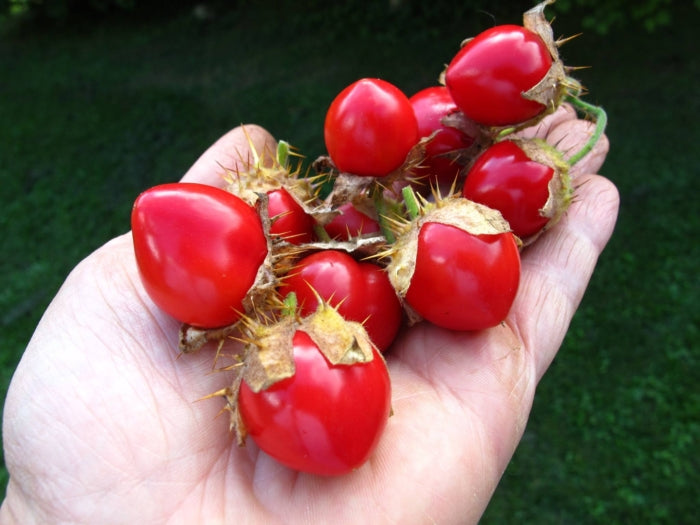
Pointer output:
457, 266
370, 128
431, 106
360, 291
289, 220
488, 76
350, 223
506, 179
463, 281
325, 419
198, 250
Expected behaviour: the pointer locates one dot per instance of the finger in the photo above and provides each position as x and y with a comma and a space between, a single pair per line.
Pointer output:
540, 130
232, 152
557, 268
569, 136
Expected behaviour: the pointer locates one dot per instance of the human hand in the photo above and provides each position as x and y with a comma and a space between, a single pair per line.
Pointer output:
101, 423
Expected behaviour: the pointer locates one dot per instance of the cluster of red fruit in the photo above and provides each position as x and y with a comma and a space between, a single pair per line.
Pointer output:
316, 275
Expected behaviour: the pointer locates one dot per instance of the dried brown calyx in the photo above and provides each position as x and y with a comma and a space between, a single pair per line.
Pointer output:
561, 192
556, 84
273, 171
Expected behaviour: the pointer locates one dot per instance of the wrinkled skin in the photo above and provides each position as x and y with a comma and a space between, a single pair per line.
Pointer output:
102, 422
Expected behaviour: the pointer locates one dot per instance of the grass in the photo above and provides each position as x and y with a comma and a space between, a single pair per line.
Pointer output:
95, 114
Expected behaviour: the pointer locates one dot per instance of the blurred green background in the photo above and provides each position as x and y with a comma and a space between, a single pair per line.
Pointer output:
97, 105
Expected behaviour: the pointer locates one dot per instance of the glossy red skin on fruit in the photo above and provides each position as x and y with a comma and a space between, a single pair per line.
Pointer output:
325, 419
430, 106
350, 223
506, 179
361, 292
487, 77
463, 281
370, 128
198, 250
289, 220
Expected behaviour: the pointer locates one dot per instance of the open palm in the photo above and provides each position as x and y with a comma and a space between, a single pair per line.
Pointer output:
102, 423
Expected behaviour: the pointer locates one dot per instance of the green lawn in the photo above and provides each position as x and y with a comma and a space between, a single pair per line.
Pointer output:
91, 114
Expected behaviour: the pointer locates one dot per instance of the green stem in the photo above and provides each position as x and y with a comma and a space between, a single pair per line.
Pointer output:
382, 211
289, 305
601, 121
505, 132
411, 202
282, 153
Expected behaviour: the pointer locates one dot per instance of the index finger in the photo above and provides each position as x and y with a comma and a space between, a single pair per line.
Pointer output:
233, 151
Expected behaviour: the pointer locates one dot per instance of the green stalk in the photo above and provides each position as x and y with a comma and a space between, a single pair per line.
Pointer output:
381, 207
289, 308
601, 121
282, 153
505, 132
411, 202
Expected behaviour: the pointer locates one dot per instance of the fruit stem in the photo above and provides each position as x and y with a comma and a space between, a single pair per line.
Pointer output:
601, 121
409, 199
289, 308
505, 132
381, 208
282, 153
